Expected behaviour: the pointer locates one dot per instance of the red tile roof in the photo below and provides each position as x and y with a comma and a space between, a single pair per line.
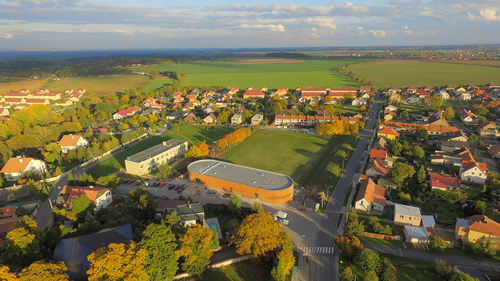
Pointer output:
375, 153
443, 182
91, 192
16, 165
371, 192
69, 140
388, 131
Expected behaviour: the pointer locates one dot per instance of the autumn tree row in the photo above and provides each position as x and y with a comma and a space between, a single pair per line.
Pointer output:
338, 127
234, 137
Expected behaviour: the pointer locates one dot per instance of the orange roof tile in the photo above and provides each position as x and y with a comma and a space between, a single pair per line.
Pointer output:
371, 192
375, 153
91, 192
16, 165
69, 140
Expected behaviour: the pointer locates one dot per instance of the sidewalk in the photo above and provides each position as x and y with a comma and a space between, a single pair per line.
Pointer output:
431, 256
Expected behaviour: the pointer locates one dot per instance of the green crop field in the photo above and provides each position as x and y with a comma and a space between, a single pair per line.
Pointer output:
294, 154
316, 73
403, 73
100, 84
156, 85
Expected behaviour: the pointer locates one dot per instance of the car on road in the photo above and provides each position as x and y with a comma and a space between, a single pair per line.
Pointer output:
162, 185
284, 221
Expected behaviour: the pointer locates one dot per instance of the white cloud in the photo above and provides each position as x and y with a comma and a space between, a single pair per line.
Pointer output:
320, 9
314, 35
355, 8
287, 7
406, 27
6, 35
272, 27
323, 21
379, 33
489, 14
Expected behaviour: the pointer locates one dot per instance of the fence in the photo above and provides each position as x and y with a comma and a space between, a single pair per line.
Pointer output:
381, 236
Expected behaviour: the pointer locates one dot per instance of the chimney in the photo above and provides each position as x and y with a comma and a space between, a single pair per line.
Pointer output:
20, 160
91, 186
72, 136
410, 207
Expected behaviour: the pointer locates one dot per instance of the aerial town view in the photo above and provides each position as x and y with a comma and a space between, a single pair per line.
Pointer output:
248, 141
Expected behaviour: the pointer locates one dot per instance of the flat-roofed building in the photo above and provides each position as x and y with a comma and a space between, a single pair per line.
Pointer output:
150, 159
267, 186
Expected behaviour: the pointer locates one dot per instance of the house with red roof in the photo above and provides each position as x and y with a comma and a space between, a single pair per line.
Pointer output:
190, 118
370, 197
471, 170
17, 167
375, 169
467, 117
380, 154
443, 182
100, 197
253, 94
70, 142
177, 94
4, 112
123, 113
478, 229
388, 133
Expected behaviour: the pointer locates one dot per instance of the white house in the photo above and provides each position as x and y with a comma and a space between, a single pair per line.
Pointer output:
4, 112
69, 142
443, 94
465, 96
370, 196
467, 117
237, 119
473, 171
257, 119
17, 167
391, 108
100, 197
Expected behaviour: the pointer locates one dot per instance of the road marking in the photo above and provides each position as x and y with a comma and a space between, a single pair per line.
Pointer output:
317, 250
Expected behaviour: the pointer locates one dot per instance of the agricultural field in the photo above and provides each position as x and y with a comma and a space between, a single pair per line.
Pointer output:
100, 84
316, 73
403, 73
156, 85
294, 154
16, 86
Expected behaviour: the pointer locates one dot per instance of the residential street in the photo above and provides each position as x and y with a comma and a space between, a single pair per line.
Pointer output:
324, 266
430, 256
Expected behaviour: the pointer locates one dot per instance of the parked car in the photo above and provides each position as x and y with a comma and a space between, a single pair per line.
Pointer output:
176, 187
171, 186
162, 185
156, 184
181, 188
284, 221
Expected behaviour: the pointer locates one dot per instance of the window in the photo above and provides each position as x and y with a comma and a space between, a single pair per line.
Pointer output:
409, 218
401, 216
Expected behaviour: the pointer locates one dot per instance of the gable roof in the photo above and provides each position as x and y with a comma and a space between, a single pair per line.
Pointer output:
407, 210
380, 144
375, 153
375, 165
443, 182
69, 140
388, 131
416, 231
92, 192
16, 165
191, 211
8, 211
74, 251
371, 192
486, 228
167, 203
495, 149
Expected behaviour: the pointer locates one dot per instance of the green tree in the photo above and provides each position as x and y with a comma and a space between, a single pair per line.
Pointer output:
348, 97
461, 276
118, 262
23, 244
418, 152
234, 204
223, 117
422, 133
388, 271
405, 114
215, 244
443, 269
160, 244
437, 243
401, 171
258, 235
479, 207
448, 113
348, 244
347, 274
164, 171
81, 204
421, 174
257, 207
195, 249
367, 260
141, 204
436, 101
473, 138
109, 181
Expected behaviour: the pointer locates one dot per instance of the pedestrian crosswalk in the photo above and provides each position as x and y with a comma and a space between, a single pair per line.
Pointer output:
317, 250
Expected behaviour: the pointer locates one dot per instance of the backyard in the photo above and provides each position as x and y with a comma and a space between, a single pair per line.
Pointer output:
316, 73
294, 154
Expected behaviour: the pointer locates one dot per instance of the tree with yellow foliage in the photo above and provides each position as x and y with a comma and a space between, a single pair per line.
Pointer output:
118, 262
195, 249
44, 271
259, 235
285, 263
338, 127
204, 150
193, 152
6, 275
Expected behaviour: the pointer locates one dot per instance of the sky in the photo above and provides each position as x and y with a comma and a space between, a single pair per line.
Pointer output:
148, 24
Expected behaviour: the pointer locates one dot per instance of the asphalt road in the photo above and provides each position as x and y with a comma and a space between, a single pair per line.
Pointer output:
322, 267
430, 256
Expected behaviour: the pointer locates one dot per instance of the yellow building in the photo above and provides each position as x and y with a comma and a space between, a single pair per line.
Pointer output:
407, 215
479, 229
388, 133
150, 159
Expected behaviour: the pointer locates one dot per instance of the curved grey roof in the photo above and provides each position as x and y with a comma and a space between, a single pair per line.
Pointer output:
241, 174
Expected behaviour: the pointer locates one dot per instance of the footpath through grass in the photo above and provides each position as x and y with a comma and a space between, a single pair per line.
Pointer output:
289, 153
195, 133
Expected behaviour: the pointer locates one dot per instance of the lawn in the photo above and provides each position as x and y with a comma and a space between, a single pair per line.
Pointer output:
403, 73
100, 84
293, 154
255, 270
347, 109
316, 73
381, 241
16, 86
156, 85
201, 133
195, 133
409, 269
